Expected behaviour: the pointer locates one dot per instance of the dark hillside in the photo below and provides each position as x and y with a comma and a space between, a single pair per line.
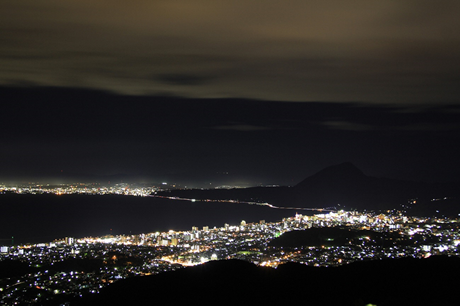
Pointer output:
384, 283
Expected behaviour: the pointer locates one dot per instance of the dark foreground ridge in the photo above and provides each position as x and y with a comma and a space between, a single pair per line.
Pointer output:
431, 281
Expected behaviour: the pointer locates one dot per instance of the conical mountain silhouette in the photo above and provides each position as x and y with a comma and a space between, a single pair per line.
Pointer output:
342, 186
342, 173
348, 186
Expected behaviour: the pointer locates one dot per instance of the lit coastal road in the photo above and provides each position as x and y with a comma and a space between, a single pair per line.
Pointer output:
244, 202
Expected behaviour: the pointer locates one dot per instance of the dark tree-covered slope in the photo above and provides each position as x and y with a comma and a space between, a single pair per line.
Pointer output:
429, 281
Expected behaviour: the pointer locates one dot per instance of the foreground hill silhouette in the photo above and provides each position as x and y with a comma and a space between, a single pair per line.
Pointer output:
431, 281
344, 186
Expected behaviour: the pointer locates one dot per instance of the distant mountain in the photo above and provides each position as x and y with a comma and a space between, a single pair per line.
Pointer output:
404, 281
335, 174
348, 186
344, 186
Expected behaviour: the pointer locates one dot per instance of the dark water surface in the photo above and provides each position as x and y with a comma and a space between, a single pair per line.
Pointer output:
43, 218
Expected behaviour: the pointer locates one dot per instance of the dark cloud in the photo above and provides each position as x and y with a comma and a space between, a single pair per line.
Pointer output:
46, 130
242, 127
385, 52
347, 126
183, 79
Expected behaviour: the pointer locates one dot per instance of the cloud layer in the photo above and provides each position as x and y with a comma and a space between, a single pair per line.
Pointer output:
371, 51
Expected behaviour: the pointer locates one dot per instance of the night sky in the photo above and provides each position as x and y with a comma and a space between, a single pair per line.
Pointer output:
237, 92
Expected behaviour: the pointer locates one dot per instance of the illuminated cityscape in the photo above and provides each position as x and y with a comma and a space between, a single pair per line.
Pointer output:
80, 188
71, 267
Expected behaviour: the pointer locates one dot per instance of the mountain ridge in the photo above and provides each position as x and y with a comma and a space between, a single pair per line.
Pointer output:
232, 282
343, 186
341, 171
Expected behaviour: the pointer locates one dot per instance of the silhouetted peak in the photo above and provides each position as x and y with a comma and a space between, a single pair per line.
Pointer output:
341, 172
343, 168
